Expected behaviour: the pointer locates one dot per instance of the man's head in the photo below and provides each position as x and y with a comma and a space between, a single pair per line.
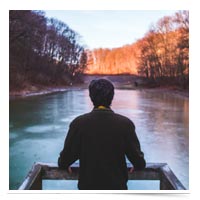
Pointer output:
101, 92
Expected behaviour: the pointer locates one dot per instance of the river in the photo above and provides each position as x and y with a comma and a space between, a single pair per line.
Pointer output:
38, 126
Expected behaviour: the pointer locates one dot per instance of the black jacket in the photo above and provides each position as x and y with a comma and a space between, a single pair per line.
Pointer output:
100, 140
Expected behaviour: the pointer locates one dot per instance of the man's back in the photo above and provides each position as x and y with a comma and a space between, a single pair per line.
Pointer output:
100, 140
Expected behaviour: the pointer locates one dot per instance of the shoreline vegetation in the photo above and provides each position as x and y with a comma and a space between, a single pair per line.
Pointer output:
120, 81
46, 56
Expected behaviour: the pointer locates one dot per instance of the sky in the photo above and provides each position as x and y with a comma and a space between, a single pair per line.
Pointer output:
109, 28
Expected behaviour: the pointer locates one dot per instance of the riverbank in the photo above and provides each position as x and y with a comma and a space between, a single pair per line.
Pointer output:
47, 90
34, 91
129, 82
133, 82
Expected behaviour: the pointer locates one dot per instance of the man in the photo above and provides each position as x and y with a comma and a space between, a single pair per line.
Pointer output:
101, 140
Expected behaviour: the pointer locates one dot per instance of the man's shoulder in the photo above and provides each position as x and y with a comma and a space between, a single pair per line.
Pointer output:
80, 118
90, 115
123, 118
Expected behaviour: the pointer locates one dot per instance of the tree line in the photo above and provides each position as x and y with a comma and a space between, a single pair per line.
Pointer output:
162, 55
164, 51
120, 60
43, 51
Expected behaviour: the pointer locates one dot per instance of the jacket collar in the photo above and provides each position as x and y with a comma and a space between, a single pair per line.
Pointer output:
102, 109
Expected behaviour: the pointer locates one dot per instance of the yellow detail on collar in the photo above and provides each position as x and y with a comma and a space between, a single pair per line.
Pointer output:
101, 107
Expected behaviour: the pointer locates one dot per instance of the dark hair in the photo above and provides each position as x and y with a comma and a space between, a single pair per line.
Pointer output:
101, 92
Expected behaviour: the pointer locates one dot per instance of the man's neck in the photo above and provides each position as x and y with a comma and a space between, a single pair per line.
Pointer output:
102, 107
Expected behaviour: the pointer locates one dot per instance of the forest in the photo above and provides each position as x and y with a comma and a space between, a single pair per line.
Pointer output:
46, 52
161, 56
42, 51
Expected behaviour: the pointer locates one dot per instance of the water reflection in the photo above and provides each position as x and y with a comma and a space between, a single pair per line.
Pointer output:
162, 123
38, 127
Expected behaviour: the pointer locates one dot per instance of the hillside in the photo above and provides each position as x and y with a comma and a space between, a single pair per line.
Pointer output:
122, 60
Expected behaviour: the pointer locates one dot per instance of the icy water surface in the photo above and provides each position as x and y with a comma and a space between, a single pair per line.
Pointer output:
38, 126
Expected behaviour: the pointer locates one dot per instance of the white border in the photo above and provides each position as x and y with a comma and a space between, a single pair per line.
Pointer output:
99, 191
99, 5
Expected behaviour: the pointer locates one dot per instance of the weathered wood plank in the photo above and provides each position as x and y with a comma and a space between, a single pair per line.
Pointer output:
56, 174
33, 181
168, 180
144, 175
153, 171
53, 172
